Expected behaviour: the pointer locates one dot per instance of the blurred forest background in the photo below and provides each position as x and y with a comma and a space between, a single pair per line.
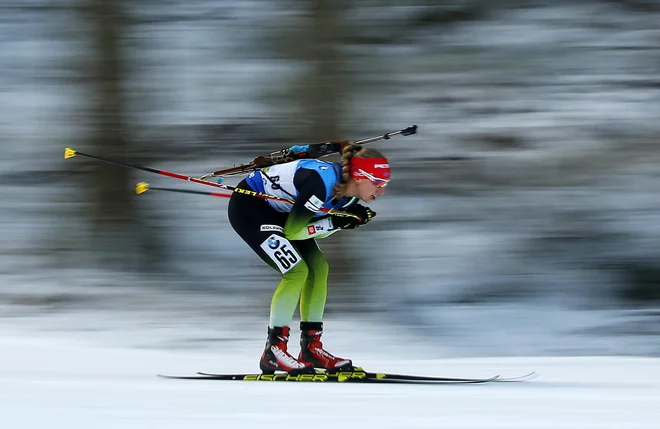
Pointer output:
524, 216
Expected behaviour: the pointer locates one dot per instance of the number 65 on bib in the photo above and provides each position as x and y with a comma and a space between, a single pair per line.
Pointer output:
281, 251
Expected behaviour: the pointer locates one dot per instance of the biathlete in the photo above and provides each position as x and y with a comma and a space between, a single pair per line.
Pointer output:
284, 236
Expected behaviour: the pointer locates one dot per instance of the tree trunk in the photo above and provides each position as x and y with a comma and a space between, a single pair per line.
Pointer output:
118, 237
322, 100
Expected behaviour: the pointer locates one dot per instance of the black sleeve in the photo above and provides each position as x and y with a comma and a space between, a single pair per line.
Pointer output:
310, 188
317, 150
308, 183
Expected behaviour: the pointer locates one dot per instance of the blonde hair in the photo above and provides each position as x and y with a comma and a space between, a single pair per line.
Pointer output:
349, 152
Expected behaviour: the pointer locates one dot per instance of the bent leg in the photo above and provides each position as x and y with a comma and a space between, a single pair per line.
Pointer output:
315, 290
262, 228
286, 296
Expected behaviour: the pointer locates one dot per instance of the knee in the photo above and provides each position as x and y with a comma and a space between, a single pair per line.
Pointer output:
319, 267
300, 271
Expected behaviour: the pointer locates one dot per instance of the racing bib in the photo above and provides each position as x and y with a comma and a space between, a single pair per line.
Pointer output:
281, 251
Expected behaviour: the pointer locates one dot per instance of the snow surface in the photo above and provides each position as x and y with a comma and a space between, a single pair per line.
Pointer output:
62, 383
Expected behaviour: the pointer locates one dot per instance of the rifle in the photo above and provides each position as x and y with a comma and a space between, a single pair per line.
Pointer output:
309, 151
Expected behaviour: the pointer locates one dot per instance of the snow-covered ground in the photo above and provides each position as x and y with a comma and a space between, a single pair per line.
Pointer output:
63, 383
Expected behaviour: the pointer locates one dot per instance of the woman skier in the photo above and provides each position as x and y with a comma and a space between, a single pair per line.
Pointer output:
284, 236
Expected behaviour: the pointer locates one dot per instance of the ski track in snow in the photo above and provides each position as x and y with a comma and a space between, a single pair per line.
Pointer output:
52, 382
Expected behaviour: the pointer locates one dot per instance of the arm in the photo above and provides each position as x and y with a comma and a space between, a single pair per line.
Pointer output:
301, 224
317, 150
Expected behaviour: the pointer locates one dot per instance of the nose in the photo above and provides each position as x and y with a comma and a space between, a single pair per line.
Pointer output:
380, 191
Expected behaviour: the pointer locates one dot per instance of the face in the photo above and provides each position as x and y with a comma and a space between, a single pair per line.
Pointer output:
368, 191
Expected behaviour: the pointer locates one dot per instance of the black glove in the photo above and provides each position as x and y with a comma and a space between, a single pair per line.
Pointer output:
364, 213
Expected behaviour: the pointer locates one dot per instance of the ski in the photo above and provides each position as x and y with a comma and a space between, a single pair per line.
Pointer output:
358, 376
407, 377
359, 373
324, 378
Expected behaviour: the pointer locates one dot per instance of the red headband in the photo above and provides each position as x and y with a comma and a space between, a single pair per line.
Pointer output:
377, 167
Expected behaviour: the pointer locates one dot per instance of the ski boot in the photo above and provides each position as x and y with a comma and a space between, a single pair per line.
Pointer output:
312, 352
277, 358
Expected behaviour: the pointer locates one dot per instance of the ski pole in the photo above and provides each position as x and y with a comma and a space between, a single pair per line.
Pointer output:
143, 187
70, 153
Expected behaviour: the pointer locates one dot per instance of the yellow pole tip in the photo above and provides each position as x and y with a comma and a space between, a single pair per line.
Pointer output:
69, 153
141, 188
